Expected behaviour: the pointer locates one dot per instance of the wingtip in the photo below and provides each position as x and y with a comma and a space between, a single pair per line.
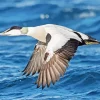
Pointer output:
53, 83
27, 74
48, 85
23, 70
23, 73
38, 86
43, 87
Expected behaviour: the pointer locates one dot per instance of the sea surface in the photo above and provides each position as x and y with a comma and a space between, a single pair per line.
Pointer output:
82, 78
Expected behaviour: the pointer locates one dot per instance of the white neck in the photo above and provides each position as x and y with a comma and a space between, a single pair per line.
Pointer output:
37, 33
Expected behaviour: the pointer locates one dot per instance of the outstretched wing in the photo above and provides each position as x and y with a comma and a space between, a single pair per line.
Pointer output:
36, 60
52, 70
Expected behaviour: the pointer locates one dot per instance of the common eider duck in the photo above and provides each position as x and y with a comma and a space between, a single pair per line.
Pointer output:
55, 48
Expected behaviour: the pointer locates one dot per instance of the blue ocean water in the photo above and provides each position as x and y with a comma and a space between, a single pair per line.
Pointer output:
81, 80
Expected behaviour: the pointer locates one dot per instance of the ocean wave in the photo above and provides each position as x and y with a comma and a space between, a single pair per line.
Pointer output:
83, 79
85, 15
25, 3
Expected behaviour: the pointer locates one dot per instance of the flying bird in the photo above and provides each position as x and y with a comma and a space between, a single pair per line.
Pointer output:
55, 48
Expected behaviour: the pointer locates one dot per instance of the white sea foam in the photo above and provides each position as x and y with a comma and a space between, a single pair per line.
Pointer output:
93, 7
25, 3
44, 16
87, 14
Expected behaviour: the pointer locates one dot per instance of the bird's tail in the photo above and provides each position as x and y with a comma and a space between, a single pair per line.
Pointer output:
91, 41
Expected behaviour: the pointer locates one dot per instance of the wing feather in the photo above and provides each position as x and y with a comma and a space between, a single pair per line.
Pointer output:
52, 74
44, 79
39, 81
56, 66
50, 71
48, 77
36, 60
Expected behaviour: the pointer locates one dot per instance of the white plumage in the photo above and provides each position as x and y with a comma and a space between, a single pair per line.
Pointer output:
56, 29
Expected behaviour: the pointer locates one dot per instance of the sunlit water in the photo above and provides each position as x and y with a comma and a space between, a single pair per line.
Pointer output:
82, 79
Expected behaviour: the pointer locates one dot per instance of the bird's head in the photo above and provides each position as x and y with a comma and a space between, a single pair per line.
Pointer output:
15, 31
35, 32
